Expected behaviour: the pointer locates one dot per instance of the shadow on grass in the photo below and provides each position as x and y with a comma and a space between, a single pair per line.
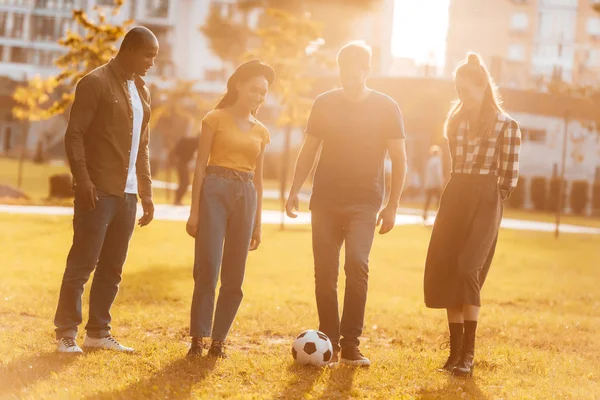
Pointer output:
454, 388
155, 284
174, 381
302, 382
25, 372
339, 385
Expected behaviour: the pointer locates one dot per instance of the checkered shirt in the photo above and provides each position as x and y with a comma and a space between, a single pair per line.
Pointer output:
496, 153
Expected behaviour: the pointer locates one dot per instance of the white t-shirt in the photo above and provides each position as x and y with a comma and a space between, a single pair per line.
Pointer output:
434, 174
138, 116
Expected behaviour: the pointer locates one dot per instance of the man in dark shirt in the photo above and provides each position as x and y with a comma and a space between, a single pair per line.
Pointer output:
107, 147
182, 154
354, 127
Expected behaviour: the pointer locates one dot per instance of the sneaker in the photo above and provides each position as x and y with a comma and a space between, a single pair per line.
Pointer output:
217, 349
197, 346
68, 345
335, 359
353, 356
107, 343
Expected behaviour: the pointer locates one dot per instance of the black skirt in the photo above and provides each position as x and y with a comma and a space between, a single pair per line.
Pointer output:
463, 241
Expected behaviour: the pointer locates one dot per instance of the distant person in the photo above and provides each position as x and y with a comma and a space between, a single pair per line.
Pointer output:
484, 147
182, 154
354, 127
225, 217
434, 178
107, 147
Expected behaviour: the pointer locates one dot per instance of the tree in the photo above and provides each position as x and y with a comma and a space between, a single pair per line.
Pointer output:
291, 44
84, 53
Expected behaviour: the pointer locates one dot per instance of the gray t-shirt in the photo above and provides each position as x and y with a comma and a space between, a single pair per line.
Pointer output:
354, 134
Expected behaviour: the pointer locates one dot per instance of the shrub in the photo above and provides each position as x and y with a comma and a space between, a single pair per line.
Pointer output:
579, 196
539, 192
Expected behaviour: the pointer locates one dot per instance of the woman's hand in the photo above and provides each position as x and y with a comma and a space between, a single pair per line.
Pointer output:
192, 224
256, 236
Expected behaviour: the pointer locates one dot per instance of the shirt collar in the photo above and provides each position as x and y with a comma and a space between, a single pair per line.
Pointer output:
116, 67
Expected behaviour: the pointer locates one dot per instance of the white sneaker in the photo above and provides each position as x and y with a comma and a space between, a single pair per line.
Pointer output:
107, 343
68, 345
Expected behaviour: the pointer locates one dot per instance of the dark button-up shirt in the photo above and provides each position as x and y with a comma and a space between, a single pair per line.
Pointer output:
100, 131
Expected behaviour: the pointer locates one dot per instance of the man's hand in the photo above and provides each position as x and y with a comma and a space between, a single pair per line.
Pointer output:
387, 219
192, 225
292, 203
148, 207
86, 193
256, 236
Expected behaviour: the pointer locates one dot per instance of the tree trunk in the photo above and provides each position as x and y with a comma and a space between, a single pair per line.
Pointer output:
25, 133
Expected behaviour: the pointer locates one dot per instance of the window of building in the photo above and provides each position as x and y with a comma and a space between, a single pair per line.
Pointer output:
18, 24
519, 22
1, 53
534, 135
43, 28
516, 52
593, 59
106, 3
157, 8
214, 75
18, 55
3, 19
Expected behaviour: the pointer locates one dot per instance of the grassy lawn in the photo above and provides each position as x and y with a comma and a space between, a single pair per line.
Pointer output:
538, 337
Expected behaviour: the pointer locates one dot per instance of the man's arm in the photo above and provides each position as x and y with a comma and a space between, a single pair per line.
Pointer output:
85, 105
304, 164
397, 150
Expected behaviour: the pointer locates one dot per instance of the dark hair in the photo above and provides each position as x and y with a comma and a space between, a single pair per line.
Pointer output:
242, 74
473, 69
356, 52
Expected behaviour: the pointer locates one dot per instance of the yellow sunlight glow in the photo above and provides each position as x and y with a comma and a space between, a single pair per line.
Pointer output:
419, 30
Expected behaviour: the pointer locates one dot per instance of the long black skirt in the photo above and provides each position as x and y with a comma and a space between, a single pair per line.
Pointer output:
463, 241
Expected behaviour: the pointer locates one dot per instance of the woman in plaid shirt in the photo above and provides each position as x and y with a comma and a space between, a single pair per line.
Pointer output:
484, 145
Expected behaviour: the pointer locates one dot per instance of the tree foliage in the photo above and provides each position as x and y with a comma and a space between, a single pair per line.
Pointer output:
42, 99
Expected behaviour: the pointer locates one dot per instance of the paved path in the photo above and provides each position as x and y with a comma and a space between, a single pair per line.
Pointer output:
166, 212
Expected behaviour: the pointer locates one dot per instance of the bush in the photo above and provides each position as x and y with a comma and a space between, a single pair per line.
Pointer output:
61, 186
596, 198
517, 197
555, 193
539, 192
579, 196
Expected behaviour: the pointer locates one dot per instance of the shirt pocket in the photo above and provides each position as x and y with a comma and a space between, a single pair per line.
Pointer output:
110, 106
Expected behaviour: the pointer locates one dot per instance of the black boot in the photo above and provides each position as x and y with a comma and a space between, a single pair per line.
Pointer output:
217, 349
456, 340
465, 365
197, 347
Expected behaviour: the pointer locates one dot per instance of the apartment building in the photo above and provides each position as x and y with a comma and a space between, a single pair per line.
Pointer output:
526, 42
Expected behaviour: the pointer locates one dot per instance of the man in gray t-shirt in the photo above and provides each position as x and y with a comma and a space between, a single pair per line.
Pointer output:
355, 127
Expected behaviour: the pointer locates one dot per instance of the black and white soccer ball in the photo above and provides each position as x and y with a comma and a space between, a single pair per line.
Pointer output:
312, 347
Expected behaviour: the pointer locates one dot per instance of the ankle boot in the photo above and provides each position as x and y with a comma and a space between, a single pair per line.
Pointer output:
465, 365
456, 340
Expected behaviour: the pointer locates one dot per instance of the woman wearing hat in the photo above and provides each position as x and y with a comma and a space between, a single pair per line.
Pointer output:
225, 217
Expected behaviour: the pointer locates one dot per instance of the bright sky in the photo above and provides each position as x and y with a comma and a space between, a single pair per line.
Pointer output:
420, 28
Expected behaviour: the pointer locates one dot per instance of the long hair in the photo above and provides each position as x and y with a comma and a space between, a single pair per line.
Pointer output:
474, 70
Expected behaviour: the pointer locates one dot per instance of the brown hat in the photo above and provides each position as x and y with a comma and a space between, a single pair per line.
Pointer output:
250, 69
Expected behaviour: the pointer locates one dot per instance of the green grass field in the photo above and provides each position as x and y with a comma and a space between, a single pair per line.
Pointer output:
538, 335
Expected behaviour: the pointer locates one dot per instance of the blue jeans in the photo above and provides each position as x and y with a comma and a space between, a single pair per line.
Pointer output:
100, 241
227, 212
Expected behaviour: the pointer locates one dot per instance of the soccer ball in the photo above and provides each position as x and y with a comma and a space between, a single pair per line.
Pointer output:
312, 347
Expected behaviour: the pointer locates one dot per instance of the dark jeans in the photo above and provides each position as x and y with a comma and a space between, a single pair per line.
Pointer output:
227, 212
331, 227
183, 174
430, 193
100, 241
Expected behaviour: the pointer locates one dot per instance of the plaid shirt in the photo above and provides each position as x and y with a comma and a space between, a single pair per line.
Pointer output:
496, 153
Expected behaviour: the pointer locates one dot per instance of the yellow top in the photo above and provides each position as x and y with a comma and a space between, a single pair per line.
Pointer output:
233, 148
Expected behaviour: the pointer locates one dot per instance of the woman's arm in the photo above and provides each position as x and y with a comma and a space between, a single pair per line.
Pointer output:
509, 165
258, 184
204, 146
